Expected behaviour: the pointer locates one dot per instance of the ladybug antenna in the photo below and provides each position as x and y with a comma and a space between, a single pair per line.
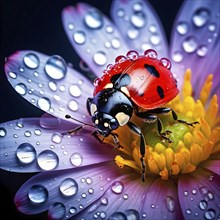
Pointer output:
73, 131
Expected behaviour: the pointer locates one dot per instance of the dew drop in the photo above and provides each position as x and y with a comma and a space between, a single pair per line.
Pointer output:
79, 37
38, 194
70, 26
73, 105
188, 211
137, 6
138, 19
120, 12
56, 138
27, 133
3, 132
89, 180
19, 124
49, 122
91, 190
132, 54
21, 88
56, 211
115, 43
31, 60
166, 63
212, 27
182, 28
177, 56
202, 51
75, 90
118, 216
104, 201
125, 196
170, 204
133, 33
155, 39
52, 86
76, 159
109, 29
153, 28
200, 17
203, 205
132, 214
73, 210
194, 191
55, 67
26, 153
69, 187
190, 44
12, 75
117, 187
47, 160
120, 59
93, 19
186, 193
210, 214
151, 53
100, 58
44, 103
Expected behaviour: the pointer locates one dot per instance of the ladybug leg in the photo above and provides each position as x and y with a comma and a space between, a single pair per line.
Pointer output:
175, 117
96, 135
134, 128
73, 131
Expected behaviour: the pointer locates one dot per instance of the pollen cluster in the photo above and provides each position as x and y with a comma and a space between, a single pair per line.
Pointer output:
191, 145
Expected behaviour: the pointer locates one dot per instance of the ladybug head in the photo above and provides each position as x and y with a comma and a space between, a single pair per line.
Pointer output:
110, 108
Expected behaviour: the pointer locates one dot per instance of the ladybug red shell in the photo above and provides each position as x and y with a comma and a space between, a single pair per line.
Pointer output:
151, 84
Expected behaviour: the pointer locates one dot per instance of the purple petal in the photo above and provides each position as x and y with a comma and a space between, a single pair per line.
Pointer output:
93, 36
212, 165
195, 42
199, 195
48, 83
139, 25
161, 201
66, 192
36, 145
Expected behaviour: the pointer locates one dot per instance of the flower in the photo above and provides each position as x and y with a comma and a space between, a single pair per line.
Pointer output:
79, 177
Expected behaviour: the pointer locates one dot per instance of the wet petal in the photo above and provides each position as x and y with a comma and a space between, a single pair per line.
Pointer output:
48, 83
195, 42
199, 195
139, 25
36, 145
66, 192
93, 36
161, 201
212, 165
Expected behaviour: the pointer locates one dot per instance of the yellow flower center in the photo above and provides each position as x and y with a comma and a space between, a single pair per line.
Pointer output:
190, 146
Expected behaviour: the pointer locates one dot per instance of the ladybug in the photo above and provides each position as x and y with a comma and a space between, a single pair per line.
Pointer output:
138, 85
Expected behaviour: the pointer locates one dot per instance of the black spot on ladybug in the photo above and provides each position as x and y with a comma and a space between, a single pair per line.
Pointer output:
152, 70
120, 80
160, 92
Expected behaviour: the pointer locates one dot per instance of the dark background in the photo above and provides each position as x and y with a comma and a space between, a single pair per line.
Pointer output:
36, 25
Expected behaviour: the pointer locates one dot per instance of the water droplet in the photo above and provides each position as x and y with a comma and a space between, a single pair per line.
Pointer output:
36, 74
52, 86
70, 26
91, 190
177, 56
137, 6
75, 90
166, 63
89, 180
44, 103
26, 153
93, 19
27, 133
153, 28
138, 19
120, 12
62, 88
73, 210
115, 43
79, 37
182, 28
200, 17
76, 159
38, 194
203, 205
144, 215
132, 54
132, 214
125, 196
194, 191
55, 67
56, 211
118, 216
188, 211
68, 187
212, 27
100, 58
3, 132
120, 59
104, 201
56, 138
202, 51
47, 160
190, 44
133, 33
210, 214
117, 187
73, 105
31, 60
12, 75
150, 53
109, 29
49, 122
186, 193
83, 195
155, 39
170, 204
21, 88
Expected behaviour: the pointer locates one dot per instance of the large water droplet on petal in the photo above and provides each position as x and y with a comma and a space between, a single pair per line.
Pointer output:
190, 44
56, 67
49, 122
93, 19
44, 103
26, 153
203, 205
38, 194
47, 160
132, 214
3, 132
118, 216
75, 90
138, 19
76, 159
117, 187
202, 51
210, 214
21, 88
79, 37
56, 211
73, 105
31, 60
56, 138
170, 204
200, 17
68, 187
100, 58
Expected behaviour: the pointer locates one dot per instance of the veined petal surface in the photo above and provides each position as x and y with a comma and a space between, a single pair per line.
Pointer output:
49, 84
